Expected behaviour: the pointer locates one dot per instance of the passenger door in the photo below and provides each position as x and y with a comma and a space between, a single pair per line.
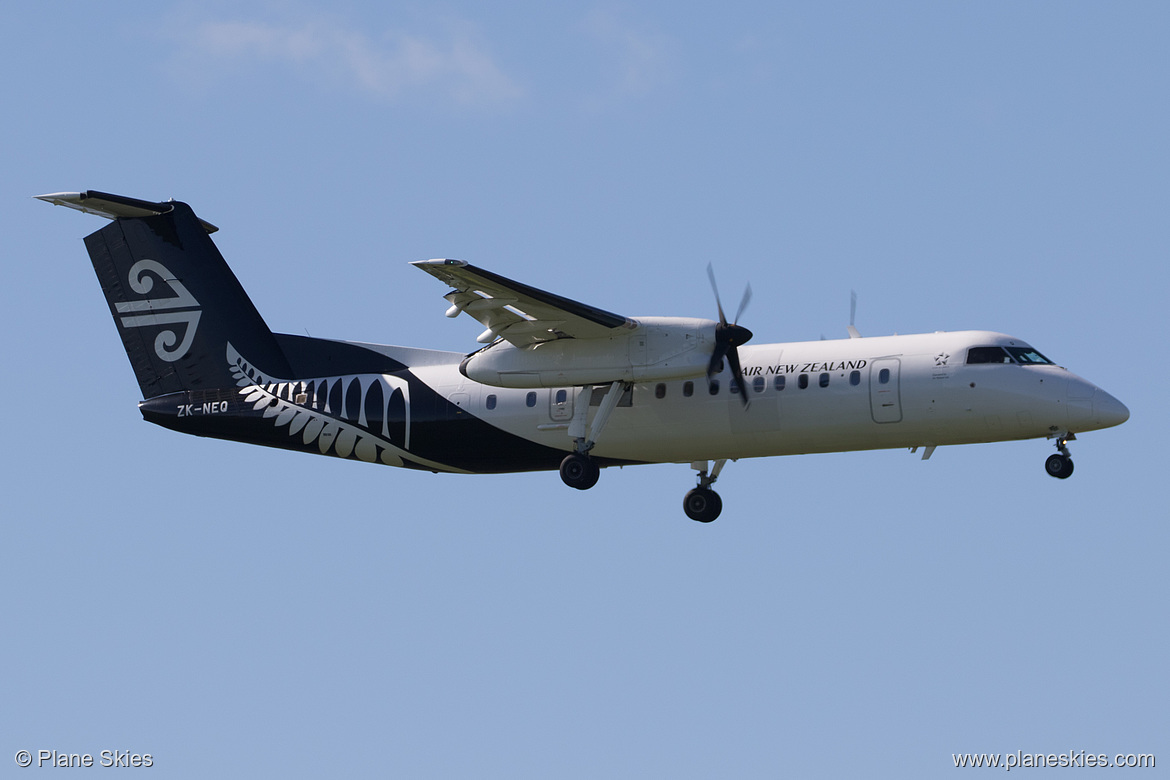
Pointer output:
560, 404
885, 403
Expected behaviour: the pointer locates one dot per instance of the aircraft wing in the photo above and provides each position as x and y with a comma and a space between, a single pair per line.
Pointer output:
515, 312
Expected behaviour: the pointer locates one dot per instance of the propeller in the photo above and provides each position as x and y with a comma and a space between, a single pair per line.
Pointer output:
728, 337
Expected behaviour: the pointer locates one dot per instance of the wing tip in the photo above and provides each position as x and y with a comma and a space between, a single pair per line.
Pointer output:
425, 264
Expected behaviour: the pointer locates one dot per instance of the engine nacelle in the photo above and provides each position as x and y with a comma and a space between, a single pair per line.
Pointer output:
656, 349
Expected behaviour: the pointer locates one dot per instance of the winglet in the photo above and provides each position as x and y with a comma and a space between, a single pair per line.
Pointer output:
103, 204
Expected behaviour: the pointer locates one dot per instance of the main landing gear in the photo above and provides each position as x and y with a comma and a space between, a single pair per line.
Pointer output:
702, 504
579, 471
1060, 465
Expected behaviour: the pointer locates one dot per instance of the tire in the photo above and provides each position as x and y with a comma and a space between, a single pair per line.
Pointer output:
1059, 466
702, 505
579, 471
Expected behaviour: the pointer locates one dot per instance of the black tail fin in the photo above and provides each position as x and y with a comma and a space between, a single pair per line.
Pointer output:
176, 303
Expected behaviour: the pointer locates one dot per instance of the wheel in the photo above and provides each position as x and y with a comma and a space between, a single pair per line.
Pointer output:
1059, 466
579, 471
702, 504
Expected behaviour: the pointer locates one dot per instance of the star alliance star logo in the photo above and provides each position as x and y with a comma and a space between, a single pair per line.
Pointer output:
941, 359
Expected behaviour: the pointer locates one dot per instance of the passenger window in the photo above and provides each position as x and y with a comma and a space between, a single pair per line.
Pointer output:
824, 380
988, 355
778, 382
714, 387
884, 376
530, 399
802, 381
758, 384
562, 396
855, 378
732, 387
491, 401
688, 389
660, 390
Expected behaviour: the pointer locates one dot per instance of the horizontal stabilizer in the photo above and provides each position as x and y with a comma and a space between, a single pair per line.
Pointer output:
110, 206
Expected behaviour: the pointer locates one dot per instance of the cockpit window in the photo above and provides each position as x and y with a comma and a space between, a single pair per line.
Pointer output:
1025, 356
987, 355
1028, 356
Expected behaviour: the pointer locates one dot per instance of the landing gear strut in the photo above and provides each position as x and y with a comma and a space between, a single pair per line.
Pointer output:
703, 504
1060, 465
578, 470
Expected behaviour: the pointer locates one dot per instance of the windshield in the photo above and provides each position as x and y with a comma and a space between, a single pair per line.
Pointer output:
1025, 356
1028, 356
987, 355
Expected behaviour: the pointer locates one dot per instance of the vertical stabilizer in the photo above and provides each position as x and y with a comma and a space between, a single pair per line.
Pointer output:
174, 300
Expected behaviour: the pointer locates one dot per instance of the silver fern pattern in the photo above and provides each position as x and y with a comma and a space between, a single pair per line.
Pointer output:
366, 416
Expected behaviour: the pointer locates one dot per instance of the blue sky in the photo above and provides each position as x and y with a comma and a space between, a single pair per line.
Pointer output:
242, 611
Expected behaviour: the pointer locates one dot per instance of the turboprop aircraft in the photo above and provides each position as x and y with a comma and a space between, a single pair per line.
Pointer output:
556, 384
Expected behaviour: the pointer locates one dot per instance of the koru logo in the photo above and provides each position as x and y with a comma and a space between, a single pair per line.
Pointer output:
182, 308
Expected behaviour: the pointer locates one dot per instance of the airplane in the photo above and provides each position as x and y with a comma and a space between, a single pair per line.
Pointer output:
554, 384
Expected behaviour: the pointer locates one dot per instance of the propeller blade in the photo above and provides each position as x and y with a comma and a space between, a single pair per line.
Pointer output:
728, 337
715, 287
715, 365
747, 298
737, 375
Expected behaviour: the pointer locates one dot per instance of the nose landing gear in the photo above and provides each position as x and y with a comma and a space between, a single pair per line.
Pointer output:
1060, 465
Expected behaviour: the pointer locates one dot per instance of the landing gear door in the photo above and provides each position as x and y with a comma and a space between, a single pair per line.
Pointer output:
560, 404
885, 402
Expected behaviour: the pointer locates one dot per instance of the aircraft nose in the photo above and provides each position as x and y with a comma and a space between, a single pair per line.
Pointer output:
1108, 410
1090, 408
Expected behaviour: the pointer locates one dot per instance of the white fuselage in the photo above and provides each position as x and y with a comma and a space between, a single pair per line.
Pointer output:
818, 396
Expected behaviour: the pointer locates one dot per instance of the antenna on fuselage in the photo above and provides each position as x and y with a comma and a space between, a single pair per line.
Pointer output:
853, 332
